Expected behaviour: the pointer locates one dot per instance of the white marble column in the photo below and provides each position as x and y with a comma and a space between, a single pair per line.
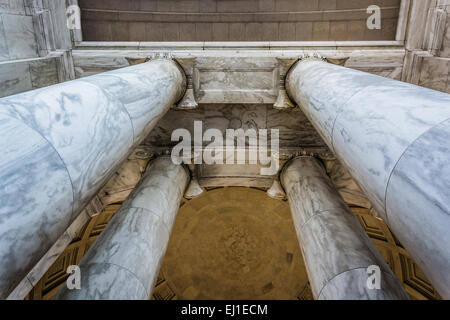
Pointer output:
394, 138
60, 144
124, 261
336, 249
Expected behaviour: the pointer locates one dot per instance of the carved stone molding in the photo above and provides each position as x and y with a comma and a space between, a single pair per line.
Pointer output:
135, 61
132, 61
435, 30
225, 77
276, 191
95, 207
161, 55
283, 100
312, 56
337, 61
194, 189
188, 101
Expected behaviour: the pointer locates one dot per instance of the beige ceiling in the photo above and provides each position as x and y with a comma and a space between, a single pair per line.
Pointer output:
235, 20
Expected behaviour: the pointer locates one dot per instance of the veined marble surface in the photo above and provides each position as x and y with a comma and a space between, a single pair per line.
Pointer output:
13, 6
124, 261
18, 76
134, 88
4, 51
338, 286
26, 285
375, 127
24, 75
35, 206
18, 34
334, 244
346, 186
89, 130
61, 144
15, 78
424, 165
239, 80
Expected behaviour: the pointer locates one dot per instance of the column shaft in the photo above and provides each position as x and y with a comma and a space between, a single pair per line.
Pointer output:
393, 137
336, 249
124, 261
60, 144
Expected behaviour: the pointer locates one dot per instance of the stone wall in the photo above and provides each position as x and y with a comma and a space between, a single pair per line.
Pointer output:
235, 20
34, 45
427, 61
17, 39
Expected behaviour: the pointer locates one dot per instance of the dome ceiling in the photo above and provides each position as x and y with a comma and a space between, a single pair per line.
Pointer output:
234, 243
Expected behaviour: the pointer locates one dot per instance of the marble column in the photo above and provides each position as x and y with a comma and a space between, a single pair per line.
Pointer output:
336, 249
393, 137
124, 261
59, 146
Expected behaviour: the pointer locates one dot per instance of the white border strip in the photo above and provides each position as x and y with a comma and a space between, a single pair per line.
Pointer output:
259, 45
